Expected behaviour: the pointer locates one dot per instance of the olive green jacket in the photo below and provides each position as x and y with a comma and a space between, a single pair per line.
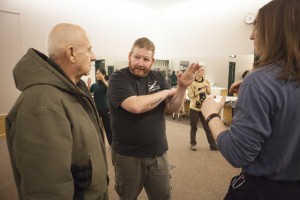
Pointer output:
54, 135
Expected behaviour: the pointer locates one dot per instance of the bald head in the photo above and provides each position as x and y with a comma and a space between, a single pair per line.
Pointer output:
62, 36
70, 48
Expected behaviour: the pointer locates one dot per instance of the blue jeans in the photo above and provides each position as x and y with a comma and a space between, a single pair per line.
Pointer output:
134, 173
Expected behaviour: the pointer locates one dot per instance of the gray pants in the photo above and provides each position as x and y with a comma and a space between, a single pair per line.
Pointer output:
134, 173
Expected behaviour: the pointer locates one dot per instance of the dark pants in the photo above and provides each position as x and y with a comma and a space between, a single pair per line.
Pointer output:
258, 188
194, 118
104, 114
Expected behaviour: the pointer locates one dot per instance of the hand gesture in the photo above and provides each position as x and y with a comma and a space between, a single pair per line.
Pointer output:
101, 76
234, 88
210, 106
185, 79
89, 81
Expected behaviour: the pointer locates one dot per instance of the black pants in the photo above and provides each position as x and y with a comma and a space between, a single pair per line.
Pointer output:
104, 114
194, 119
248, 187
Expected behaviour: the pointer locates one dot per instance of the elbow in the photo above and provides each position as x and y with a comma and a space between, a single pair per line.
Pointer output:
236, 164
135, 109
238, 154
133, 105
172, 109
238, 159
240, 163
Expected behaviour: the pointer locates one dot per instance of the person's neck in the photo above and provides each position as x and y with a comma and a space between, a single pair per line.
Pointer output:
59, 66
199, 78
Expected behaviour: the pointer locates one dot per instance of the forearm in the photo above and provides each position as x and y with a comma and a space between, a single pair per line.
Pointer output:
175, 103
209, 108
216, 127
144, 103
105, 82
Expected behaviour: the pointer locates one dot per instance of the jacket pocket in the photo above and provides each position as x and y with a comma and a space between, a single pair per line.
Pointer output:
99, 179
82, 176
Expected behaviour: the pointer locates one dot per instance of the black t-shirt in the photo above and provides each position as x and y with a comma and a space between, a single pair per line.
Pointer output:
141, 135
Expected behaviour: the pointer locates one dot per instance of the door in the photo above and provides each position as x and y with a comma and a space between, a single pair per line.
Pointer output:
10, 53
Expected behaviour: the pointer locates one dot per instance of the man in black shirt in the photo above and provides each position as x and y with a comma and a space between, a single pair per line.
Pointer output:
137, 100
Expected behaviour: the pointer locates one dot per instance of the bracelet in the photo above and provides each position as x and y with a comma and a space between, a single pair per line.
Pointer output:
211, 116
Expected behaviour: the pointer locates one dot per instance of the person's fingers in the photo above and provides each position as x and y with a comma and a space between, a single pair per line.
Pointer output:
223, 99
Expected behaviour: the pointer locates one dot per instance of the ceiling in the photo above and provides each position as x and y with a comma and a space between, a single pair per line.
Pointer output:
157, 4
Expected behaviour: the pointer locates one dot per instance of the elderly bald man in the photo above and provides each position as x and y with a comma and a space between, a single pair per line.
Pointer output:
53, 131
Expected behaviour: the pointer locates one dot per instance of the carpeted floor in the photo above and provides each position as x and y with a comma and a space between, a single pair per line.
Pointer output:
7, 185
196, 175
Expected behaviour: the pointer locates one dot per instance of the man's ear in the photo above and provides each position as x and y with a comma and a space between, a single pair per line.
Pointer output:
129, 55
153, 60
70, 53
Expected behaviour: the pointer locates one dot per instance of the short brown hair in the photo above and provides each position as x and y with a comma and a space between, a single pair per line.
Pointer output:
144, 43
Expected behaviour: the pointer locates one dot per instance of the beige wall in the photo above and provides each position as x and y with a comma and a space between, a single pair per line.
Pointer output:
10, 52
196, 30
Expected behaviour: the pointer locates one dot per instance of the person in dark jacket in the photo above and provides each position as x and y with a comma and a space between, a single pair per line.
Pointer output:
173, 79
99, 91
53, 130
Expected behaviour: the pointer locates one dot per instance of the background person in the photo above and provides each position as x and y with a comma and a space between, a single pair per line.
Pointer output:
197, 93
245, 74
53, 135
138, 97
99, 90
264, 137
173, 79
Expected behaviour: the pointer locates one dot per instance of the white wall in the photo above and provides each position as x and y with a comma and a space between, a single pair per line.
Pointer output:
203, 30
10, 31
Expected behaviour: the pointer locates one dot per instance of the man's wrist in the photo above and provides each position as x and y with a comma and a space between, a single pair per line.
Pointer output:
181, 87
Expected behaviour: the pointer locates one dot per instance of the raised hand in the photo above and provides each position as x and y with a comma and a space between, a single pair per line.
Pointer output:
210, 106
186, 78
89, 81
